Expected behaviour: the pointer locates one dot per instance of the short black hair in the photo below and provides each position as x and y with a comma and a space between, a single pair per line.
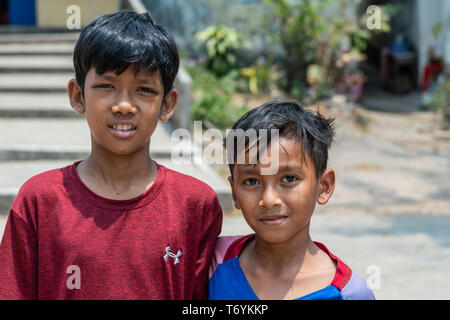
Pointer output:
310, 128
115, 41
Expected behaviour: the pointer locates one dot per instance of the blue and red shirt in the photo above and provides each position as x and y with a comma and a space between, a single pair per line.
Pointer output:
228, 282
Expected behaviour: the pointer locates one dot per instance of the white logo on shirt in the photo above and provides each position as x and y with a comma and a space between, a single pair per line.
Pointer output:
172, 255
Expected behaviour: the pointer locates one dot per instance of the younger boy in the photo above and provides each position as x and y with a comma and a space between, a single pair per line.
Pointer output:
115, 225
280, 261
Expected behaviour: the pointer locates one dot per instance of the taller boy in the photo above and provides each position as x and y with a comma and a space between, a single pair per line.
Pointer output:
116, 225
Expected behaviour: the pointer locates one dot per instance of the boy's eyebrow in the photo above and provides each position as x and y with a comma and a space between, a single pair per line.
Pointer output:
247, 170
252, 169
112, 76
144, 80
106, 76
290, 168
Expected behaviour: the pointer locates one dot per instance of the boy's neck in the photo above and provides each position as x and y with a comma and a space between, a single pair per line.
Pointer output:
278, 257
119, 177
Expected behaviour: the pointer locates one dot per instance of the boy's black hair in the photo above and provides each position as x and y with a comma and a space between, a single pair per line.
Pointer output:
115, 41
292, 121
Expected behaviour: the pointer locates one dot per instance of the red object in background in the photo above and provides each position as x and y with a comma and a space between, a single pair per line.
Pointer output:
431, 71
4, 12
4, 17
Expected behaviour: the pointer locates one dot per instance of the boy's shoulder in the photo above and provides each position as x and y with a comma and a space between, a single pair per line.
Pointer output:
351, 285
41, 188
227, 247
357, 289
44, 182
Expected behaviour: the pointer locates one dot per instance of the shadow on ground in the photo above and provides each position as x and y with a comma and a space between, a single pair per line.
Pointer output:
435, 226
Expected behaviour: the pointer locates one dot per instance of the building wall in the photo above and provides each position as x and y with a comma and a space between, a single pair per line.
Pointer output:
446, 30
428, 14
53, 13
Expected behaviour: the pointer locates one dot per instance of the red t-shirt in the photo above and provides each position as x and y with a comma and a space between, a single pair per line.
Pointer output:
62, 241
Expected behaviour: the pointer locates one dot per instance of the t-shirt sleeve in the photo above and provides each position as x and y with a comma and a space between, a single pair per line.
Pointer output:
207, 246
18, 260
357, 289
222, 245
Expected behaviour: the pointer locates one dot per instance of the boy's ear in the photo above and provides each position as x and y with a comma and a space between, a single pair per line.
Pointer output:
233, 193
75, 96
326, 186
168, 105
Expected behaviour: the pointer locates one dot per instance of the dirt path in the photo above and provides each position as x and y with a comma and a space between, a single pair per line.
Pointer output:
398, 164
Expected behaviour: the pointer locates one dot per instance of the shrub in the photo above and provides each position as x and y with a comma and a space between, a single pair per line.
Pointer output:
212, 101
222, 44
441, 99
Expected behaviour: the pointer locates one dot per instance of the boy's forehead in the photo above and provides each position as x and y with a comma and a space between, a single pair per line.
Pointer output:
286, 155
256, 168
285, 148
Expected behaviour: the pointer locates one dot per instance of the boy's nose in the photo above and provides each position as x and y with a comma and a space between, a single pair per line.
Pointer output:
124, 107
270, 198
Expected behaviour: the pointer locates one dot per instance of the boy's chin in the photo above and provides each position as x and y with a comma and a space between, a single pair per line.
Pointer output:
273, 236
122, 151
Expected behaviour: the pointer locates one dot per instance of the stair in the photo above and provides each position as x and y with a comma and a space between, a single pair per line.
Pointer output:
39, 130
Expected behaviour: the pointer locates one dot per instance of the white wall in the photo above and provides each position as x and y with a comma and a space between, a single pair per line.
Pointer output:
446, 18
429, 13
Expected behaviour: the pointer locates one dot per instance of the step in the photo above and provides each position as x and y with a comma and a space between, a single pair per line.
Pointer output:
36, 63
69, 37
14, 173
206, 174
50, 139
28, 105
34, 82
37, 49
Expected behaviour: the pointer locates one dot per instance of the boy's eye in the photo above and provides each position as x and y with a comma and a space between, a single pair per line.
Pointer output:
147, 90
289, 179
103, 86
251, 182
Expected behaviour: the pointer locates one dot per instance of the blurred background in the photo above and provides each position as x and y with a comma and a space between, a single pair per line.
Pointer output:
380, 68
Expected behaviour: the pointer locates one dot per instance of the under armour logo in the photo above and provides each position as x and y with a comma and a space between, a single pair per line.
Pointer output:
172, 255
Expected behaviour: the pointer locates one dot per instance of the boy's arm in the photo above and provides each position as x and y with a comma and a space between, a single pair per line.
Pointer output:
18, 260
207, 247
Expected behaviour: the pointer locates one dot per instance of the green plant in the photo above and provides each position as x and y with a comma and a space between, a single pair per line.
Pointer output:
221, 44
316, 32
261, 75
349, 32
440, 99
212, 101
300, 24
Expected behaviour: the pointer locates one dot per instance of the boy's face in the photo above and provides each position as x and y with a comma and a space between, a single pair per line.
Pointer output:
279, 206
122, 111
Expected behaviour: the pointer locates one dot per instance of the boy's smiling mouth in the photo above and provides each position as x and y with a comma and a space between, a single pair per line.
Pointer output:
273, 219
122, 130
